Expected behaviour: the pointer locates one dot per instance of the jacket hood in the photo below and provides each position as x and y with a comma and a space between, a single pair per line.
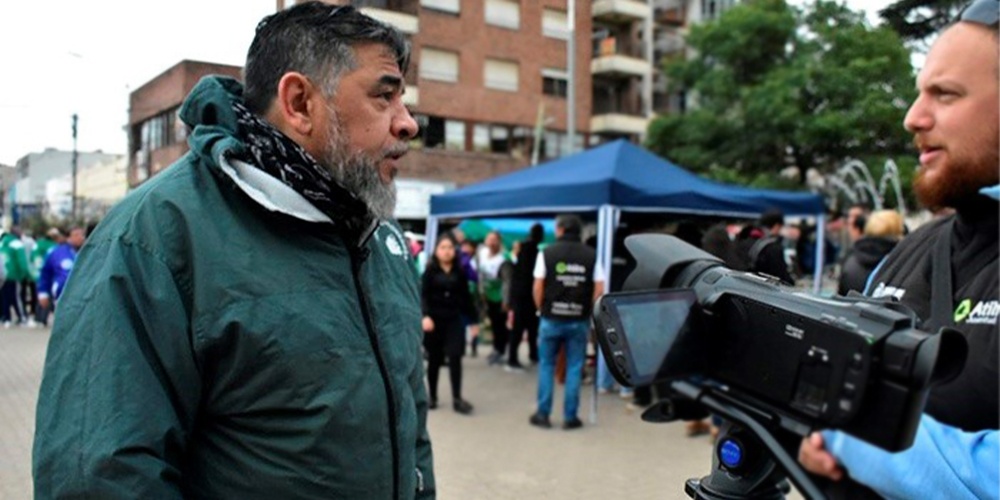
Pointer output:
214, 139
208, 110
870, 250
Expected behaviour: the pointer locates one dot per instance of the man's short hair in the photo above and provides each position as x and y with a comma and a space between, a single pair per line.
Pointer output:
317, 40
570, 224
771, 217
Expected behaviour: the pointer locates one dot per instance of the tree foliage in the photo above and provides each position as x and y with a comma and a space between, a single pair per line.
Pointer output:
918, 20
771, 86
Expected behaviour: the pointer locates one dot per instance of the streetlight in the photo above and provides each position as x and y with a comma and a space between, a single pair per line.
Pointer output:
75, 158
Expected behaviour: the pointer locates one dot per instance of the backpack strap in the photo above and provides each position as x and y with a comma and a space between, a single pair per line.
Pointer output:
759, 247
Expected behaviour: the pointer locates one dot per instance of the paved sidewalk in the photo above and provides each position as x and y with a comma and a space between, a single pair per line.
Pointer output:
22, 353
493, 454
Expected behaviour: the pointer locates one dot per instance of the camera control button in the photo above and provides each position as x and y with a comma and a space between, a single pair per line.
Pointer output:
857, 361
613, 337
712, 276
846, 405
850, 390
620, 361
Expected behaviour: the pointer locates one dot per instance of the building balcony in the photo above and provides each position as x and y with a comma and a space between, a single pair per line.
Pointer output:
612, 58
617, 65
620, 11
670, 16
399, 13
618, 124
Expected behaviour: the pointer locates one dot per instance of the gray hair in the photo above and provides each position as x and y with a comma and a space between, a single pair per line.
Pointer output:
317, 40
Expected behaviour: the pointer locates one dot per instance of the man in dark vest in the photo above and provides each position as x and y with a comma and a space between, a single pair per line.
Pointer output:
946, 271
567, 280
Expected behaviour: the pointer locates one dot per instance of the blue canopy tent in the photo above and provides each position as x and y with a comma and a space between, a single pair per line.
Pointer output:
615, 177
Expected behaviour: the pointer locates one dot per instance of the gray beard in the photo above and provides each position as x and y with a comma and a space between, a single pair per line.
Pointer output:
359, 175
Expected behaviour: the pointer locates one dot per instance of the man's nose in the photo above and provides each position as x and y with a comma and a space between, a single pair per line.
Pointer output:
404, 126
918, 117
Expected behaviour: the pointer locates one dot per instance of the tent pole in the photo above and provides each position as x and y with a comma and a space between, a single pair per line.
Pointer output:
430, 237
820, 247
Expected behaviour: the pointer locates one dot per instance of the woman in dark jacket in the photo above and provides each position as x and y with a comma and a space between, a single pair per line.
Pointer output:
882, 230
447, 303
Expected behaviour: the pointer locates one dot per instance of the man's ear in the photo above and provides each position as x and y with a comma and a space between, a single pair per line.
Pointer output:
297, 103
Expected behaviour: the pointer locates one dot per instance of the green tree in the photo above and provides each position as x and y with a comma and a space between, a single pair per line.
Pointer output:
772, 86
917, 20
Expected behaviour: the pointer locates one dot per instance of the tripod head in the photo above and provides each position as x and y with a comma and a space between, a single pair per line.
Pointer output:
750, 461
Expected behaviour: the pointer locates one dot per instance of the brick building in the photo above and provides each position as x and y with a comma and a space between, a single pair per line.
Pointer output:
487, 78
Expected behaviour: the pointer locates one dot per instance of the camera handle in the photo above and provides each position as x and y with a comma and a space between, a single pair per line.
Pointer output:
743, 464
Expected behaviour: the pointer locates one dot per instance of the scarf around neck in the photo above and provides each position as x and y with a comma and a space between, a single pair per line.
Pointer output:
273, 152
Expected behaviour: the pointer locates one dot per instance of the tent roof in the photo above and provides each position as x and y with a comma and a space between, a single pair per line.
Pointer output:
619, 174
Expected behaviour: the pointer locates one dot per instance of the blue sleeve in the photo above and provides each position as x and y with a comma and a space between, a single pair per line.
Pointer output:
944, 461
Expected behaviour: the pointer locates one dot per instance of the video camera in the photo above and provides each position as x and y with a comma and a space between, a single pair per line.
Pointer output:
773, 358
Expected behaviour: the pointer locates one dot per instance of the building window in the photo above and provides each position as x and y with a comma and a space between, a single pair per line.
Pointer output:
503, 13
499, 139
554, 24
500, 75
454, 135
162, 130
481, 138
554, 82
432, 131
441, 65
449, 6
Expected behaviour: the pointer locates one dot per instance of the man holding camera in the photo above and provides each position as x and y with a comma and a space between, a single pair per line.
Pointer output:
947, 272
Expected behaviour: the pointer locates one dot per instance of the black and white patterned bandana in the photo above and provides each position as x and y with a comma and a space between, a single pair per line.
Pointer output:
282, 158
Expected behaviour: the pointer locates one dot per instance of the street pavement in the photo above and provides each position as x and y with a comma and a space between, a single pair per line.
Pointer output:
492, 454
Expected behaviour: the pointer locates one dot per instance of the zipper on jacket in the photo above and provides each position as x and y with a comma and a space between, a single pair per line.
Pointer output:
358, 256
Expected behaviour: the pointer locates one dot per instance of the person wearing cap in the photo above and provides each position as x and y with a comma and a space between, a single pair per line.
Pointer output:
247, 323
947, 272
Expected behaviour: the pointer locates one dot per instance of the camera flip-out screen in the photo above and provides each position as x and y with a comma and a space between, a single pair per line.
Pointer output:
648, 334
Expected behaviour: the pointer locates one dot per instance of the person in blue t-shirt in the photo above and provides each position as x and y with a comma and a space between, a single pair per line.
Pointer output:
55, 272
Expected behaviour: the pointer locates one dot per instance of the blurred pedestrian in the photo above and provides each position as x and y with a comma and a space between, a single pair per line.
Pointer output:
568, 280
447, 305
57, 268
494, 283
880, 233
15, 263
522, 302
43, 247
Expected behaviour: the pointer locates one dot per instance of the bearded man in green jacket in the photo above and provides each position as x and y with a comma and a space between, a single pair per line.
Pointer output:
246, 324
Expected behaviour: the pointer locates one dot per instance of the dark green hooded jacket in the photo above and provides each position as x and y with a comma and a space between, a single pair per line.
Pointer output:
220, 339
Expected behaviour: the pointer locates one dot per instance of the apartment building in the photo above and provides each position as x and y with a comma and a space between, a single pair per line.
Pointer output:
488, 82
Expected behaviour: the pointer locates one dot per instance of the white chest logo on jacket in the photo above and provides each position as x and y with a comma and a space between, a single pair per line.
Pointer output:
393, 244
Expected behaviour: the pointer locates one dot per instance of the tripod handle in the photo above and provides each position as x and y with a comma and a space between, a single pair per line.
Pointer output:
791, 466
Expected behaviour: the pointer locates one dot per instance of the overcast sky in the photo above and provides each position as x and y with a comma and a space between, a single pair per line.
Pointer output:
61, 57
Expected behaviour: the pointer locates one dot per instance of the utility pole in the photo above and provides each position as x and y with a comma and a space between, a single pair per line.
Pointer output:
75, 157
571, 76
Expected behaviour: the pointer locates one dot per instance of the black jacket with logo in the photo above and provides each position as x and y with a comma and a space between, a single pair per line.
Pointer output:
971, 400
569, 279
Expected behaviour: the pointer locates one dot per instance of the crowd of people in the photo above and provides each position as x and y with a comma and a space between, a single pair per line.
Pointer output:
248, 323
34, 272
